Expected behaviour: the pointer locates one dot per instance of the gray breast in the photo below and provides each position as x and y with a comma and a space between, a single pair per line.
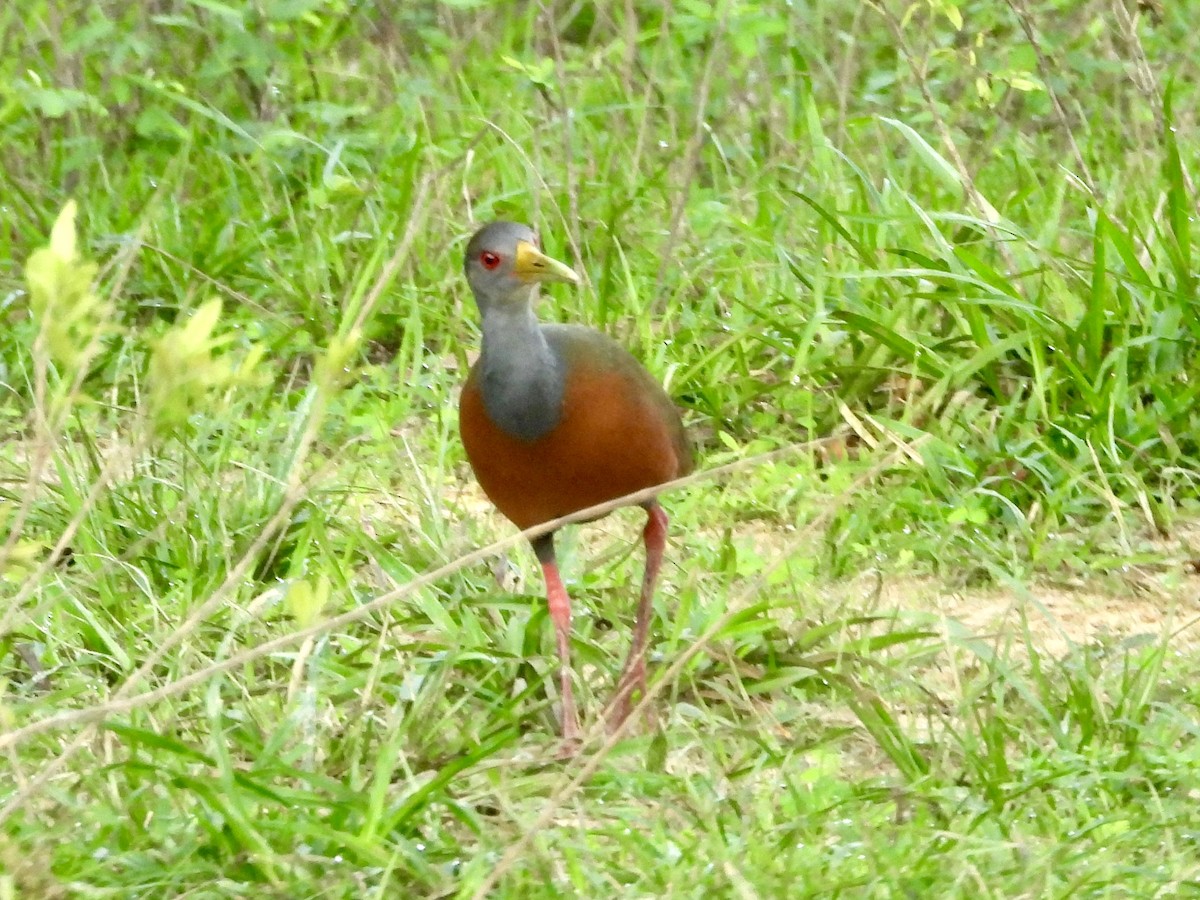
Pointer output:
522, 393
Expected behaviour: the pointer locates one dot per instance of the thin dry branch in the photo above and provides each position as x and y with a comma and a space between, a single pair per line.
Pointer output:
125, 703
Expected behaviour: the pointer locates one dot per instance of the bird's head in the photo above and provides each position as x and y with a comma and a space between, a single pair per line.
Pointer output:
503, 265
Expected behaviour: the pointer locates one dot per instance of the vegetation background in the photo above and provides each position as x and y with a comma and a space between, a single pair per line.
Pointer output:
923, 277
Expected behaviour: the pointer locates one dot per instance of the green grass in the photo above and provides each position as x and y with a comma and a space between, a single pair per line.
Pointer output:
926, 295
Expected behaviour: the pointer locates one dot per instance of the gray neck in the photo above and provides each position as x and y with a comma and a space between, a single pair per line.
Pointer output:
522, 382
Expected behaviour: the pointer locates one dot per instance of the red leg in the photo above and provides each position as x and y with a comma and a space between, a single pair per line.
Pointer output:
633, 677
560, 613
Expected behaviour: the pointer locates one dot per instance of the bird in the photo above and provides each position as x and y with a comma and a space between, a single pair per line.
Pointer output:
555, 418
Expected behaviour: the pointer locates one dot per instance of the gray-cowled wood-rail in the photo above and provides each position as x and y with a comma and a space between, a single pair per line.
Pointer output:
557, 418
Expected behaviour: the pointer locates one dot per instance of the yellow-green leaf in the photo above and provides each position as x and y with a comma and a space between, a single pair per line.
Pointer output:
62, 235
306, 600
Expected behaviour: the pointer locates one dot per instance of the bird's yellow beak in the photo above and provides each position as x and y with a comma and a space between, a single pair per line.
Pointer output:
532, 264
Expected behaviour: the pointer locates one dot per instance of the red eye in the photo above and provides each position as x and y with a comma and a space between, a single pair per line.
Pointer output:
489, 259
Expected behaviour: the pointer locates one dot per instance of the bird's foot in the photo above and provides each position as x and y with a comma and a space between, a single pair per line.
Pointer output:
568, 747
